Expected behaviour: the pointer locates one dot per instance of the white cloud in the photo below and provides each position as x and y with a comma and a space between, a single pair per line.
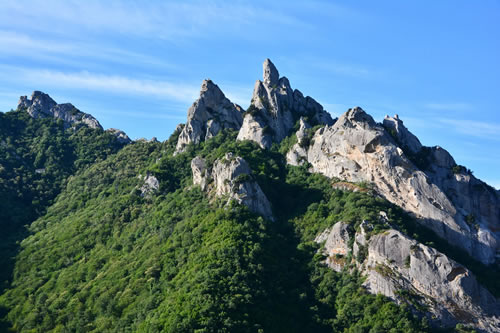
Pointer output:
165, 20
485, 130
66, 51
102, 82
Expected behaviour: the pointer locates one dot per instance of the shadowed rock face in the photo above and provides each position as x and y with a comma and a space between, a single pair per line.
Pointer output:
408, 271
357, 149
275, 107
209, 114
41, 105
231, 176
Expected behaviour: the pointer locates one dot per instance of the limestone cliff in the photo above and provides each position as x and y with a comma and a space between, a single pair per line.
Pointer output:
357, 149
410, 272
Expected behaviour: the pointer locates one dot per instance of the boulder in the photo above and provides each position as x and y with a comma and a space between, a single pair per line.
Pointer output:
151, 185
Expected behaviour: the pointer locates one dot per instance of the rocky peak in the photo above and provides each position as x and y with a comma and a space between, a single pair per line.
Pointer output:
209, 114
210, 92
271, 75
356, 116
275, 108
402, 134
41, 105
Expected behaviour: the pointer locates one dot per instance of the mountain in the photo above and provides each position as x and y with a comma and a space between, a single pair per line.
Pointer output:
274, 219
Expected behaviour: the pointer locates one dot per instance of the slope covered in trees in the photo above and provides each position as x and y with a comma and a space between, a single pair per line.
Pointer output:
37, 157
104, 258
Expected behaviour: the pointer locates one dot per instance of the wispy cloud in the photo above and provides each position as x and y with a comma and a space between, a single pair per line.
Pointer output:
164, 20
24, 45
449, 106
480, 129
177, 91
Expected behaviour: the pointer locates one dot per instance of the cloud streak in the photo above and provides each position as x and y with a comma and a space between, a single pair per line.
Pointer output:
177, 91
164, 20
475, 128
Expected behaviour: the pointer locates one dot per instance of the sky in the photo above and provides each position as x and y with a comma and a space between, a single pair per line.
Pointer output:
138, 65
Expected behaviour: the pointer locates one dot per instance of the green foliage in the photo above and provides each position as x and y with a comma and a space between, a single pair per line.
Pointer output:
460, 169
102, 258
37, 157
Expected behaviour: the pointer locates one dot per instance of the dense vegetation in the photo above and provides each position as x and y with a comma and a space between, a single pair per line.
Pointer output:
37, 156
104, 258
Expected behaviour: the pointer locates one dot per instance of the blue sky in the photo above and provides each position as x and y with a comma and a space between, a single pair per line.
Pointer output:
138, 66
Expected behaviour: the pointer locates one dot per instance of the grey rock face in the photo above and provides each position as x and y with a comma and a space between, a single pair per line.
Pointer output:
357, 149
151, 185
232, 177
275, 108
407, 271
405, 138
200, 172
120, 135
336, 246
210, 113
40, 105
298, 153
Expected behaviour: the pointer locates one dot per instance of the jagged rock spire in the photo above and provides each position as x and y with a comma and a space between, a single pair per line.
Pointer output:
210, 113
276, 107
271, 75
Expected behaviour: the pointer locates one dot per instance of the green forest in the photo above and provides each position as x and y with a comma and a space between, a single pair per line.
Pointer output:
83, 251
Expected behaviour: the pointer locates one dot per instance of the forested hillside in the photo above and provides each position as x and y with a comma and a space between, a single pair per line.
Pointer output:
37, 157
274, 219
105, 258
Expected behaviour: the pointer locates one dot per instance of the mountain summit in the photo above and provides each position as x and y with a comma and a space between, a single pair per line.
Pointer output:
275, 108
41, 105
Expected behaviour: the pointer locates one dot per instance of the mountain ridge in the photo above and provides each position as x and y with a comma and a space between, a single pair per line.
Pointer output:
360, 183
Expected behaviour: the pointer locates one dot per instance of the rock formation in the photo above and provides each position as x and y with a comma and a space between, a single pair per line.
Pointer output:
232, 177
407, 271
41, 105
120, 135
151, 185
210, 113
275, 108
402, 135
298, 154
357, 149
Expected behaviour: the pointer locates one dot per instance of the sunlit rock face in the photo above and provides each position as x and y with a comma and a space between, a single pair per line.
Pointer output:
209, 114
231, 177
357, 149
